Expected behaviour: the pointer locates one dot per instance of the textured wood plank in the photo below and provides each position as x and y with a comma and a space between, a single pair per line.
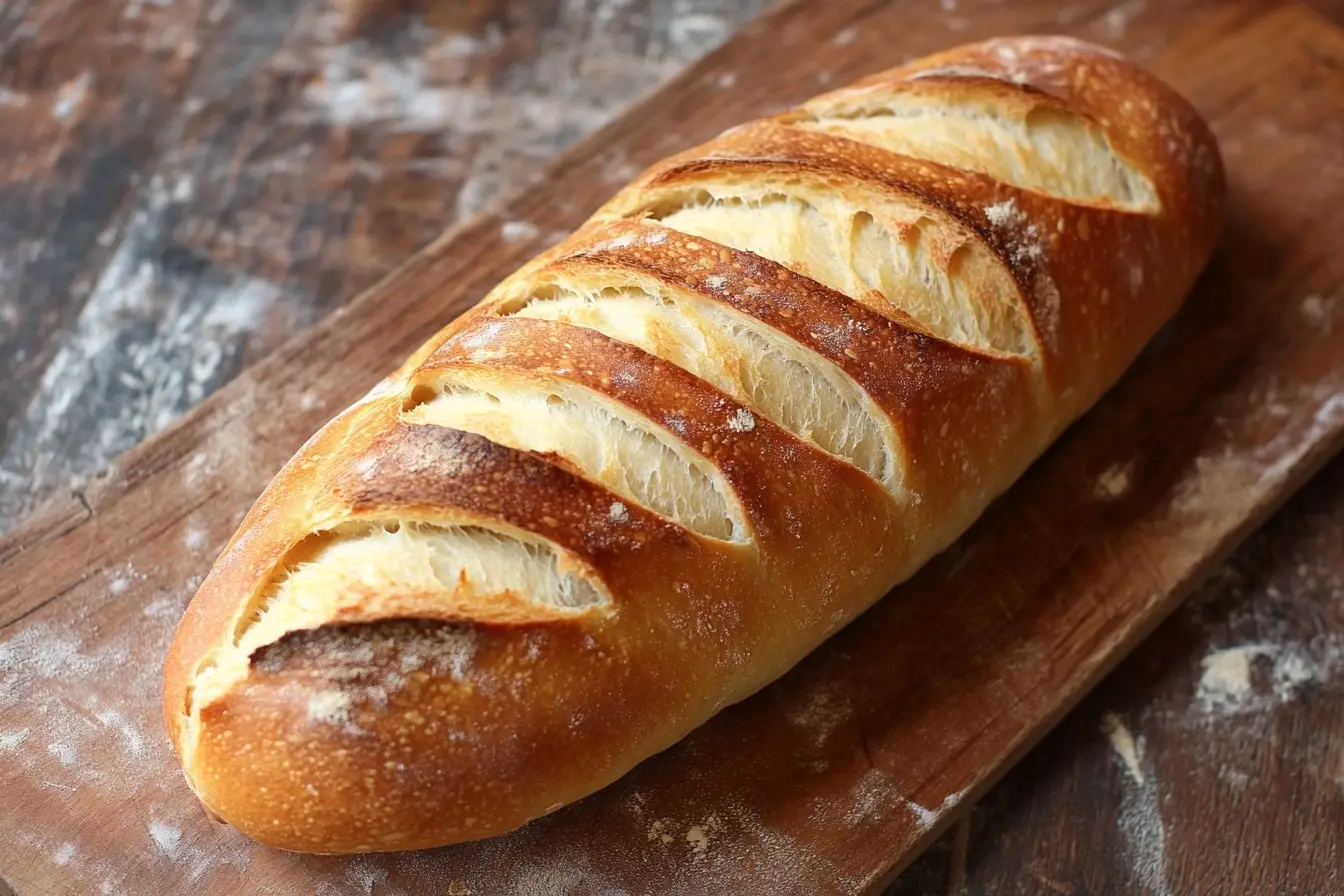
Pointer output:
174, 498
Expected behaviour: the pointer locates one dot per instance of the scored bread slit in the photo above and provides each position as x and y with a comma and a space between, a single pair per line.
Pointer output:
761, 368
1046, 150
439, 571
894, 257
605, 441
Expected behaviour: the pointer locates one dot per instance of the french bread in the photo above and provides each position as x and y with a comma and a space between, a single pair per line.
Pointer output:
664, 460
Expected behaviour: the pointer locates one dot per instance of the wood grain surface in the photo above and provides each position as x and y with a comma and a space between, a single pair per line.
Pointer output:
191, 184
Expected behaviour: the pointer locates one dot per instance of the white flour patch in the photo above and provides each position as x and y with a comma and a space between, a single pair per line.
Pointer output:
1233, 684
1218, 483
820, 714
1234, 778
1145, 837
699, 836
1140, 819
1113, 481
1320, 313
872, 796
1226, 681
11, 99
1124, 745
927, 818
12, 740
135, 359
64, 854
845, 36
330, 707
71, 96
241, 305
619, 513
517, 231
132, 740
875, 795
166, 838
364, 874
698, 30
194, 538
1116, 21
1004, 214
1022, 241
166, 607
742, 421
94, 729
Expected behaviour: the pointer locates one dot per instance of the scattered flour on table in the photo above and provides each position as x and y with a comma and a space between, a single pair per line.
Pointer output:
1226, 681
71, 95
845, 36
1218, 483
1113, 481
699, 836
517, 231
1320, 313
1116, 20
92, 726
875, 794
1229, 685
166, 838
1123, 742
820, 714
1139, 819
194, 538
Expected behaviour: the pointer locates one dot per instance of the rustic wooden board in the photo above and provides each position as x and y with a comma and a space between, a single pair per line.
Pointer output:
833, 779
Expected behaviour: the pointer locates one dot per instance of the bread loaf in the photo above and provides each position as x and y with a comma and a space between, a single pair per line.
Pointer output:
663, 461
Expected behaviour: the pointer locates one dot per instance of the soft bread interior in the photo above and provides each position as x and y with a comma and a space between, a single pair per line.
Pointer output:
878, 251
604, 440
1049, 150
756, 365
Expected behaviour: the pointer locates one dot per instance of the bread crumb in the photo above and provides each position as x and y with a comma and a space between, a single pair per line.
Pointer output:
845, 36
619, 513
1113, 482
742, 421
1123, 742
1226, 681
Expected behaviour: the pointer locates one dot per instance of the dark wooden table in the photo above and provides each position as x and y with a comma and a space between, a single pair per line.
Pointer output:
184, 185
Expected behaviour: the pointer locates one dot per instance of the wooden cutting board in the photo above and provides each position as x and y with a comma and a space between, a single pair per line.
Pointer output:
833, 779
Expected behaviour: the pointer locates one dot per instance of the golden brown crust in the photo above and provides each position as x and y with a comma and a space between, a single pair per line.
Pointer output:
408, 717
